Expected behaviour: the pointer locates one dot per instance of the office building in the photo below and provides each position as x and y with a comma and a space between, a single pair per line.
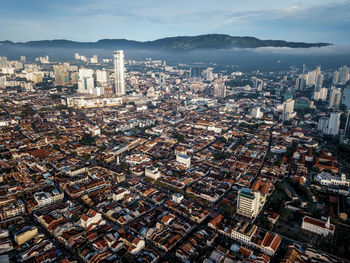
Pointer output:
320, 94
208, 74
61, 75
300, 82
94, 59
335, 98
85, 73
3, 62
335, 77
256, 113
288, 110
248, 202
319, 81
119, 71
311, 78
322, 124
86, 85
343, 75
102, 77
195, 72
333, 124
219, 90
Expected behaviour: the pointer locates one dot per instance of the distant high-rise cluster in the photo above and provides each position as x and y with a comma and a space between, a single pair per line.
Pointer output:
119, 71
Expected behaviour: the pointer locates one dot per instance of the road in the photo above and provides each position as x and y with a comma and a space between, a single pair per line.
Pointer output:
266, 155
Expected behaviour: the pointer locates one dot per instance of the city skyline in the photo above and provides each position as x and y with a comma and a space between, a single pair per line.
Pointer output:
309, 21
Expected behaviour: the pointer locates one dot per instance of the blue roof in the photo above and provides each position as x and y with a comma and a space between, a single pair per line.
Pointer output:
183, 156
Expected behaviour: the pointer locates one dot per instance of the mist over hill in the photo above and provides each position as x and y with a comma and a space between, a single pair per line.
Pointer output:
245, 52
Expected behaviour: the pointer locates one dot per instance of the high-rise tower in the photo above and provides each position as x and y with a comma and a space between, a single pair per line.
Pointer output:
119, 71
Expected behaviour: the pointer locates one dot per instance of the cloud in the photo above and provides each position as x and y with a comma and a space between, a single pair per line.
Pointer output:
314, 51
293, 20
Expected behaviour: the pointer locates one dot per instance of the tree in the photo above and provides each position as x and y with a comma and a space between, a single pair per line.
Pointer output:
242, 141
87, 139
179, 137
221, 155
342, 107
228, 210
27, 111
56, 147
222, 139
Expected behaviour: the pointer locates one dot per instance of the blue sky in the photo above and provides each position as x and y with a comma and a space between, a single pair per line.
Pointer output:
87, 20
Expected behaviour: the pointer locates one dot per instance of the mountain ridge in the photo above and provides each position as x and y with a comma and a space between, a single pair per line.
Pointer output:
208, 41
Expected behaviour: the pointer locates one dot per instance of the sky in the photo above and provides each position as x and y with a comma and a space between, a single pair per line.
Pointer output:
91, 20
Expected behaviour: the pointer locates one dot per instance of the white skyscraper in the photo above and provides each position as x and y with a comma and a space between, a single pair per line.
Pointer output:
333, 124
85, 73
119, 71
288, 110
300, 82
219, 90
208, 74
94, 59
335, 77
322, 124
320, 94
334, 98
343, 75
86, 85
256, 113
102, 77
319, 81
248, 202
311, 78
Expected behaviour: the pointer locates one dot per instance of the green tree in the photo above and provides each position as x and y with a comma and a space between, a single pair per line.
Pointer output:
27, 111
87, 139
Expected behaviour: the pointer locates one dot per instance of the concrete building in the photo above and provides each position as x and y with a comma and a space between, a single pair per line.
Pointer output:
300, 82
86, 85
153, 172
335, 77
120, 193
318, 226
61, 75
333, 124
319, 81
288, 110
119, 72
256, 113
219, 90
322, 124
325, 178
25, 234
320, 94
248, 202
183, 159
177, 198
95, 130
90, 101
335, 98
102, 77
343, 75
